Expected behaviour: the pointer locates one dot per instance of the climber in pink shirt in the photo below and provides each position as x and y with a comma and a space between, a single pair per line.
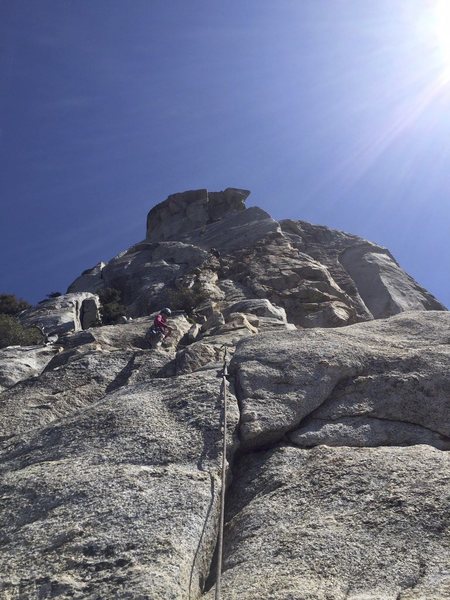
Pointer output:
160, 322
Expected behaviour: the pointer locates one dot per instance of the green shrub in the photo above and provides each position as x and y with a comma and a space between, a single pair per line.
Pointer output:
12, 333
11, 305
186, 299
111, 307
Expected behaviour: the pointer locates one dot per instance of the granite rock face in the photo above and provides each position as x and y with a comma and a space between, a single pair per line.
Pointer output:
338, 475
189, 211
339, 523
368, 273
69, 312
89, 281
22, 362
105, 449
321, 277
334, 386
118, 500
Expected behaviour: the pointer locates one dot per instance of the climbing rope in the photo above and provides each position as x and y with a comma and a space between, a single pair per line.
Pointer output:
222, 491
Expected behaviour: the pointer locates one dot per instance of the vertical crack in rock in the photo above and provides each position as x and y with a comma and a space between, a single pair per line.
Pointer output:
211, 577
200, 545
310, 521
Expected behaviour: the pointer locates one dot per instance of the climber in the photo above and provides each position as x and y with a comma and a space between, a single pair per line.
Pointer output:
160, 329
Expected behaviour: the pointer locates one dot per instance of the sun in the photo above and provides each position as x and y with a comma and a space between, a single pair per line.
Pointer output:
443, 34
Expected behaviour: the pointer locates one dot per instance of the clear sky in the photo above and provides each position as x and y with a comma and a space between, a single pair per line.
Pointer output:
332, 111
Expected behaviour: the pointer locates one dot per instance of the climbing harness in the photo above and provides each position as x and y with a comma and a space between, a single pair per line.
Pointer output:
222, 491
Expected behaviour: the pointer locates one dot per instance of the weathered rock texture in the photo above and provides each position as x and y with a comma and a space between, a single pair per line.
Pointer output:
110, 473
374, 383
338, 476
22, 362
339, 523
69, 312
189, 211
321, 277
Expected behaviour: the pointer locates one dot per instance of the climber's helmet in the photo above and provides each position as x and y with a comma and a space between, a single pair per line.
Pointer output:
166, 311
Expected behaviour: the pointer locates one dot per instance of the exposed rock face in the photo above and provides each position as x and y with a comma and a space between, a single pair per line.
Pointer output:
69, 312
367, 272
107, 506
339, 523
333, 386
22, 362
145, 270
89, 281
321, 277
101, 452
186, 212
110, 452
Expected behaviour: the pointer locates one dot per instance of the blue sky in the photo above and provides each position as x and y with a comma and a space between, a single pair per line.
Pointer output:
332, 111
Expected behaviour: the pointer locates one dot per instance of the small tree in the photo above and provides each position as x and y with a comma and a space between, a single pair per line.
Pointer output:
11, 305
186, 299
12, 333
111, 307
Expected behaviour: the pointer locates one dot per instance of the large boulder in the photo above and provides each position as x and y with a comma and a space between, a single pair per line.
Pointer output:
327, 385
68, 312
257, 306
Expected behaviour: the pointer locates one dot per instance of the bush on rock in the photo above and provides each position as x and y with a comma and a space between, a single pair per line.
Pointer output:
186, 299
11, 305
111, 307
12, 333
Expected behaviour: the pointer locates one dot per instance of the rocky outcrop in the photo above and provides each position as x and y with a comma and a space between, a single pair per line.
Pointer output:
145, 272
209, 240
69, 312
337, 466
383, 286
384, 381
89, 281
189, 211
368, 273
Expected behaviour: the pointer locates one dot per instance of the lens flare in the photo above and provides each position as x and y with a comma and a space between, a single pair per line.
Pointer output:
443, 34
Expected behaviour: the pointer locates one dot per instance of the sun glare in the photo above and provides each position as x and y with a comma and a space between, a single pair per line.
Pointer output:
443, 34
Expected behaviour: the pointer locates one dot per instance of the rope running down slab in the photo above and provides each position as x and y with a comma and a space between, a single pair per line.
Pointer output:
222, 491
